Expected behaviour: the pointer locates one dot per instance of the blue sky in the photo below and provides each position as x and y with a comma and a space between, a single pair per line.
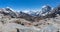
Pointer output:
24, 4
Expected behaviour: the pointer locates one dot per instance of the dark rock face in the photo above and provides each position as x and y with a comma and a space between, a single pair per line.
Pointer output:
26, 16
46, 8
57, 11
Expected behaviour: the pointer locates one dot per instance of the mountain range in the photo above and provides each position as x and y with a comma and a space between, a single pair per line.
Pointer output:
45, 12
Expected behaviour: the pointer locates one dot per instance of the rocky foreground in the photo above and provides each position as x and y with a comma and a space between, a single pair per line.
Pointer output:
8, 24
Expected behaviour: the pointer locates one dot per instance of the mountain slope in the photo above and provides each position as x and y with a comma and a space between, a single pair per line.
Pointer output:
8, 11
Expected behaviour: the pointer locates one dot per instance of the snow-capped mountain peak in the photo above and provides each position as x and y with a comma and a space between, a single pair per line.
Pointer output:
9, 8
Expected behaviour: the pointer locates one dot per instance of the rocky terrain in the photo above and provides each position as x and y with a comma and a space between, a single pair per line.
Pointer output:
47, 20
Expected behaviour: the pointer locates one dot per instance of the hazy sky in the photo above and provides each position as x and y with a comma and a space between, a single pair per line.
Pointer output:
31, 4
